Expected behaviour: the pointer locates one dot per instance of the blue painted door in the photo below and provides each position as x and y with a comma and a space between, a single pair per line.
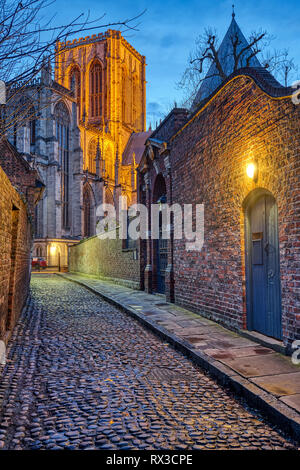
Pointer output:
263, 268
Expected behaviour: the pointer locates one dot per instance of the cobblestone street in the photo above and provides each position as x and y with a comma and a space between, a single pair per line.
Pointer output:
82, 374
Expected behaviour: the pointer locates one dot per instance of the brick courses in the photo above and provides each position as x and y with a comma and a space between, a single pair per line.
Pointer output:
105, 259
247, 118
18, 193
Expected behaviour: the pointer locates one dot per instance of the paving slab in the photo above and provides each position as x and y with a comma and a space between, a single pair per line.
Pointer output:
238, 352
293, 401
279, 385
258, 366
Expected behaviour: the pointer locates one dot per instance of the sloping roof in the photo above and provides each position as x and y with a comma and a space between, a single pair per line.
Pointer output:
225, 54
136, 146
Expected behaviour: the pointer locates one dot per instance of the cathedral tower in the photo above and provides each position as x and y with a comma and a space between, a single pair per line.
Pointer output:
107, 76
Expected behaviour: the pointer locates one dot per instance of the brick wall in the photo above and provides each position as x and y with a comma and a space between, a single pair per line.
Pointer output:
15, 245
171, 124
20, 174
20, 188
105, 259
209, 158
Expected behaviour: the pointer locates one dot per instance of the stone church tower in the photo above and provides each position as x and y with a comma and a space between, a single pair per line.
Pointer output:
83, 135
107, 76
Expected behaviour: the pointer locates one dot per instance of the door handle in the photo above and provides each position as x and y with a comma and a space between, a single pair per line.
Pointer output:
267, 248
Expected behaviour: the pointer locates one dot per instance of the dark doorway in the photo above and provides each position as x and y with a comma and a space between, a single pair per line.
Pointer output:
87, 212
161, 245
162, 260
262, 266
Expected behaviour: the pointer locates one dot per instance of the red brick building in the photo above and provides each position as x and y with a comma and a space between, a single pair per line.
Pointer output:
247, 275
20, 189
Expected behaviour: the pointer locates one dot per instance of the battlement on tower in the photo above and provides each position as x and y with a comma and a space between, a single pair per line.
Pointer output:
110, 33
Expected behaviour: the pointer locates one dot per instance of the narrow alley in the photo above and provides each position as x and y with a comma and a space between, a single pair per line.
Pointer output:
81, 374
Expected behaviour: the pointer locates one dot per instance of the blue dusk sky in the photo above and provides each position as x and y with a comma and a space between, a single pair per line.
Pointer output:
168, 29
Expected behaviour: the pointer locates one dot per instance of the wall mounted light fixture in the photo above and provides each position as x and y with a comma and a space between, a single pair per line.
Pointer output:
252, 170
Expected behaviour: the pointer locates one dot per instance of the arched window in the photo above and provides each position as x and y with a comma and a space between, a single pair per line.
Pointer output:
134, 98
96, 90
123, 96
32, 126
62, 118
92, 150
109, 163
87, 211
75, 83
39, 251
109, 199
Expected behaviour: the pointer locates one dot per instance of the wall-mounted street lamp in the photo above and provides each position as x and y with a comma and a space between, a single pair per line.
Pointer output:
252, 170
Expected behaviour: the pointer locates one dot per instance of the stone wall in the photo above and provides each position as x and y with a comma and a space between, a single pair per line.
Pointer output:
105, 259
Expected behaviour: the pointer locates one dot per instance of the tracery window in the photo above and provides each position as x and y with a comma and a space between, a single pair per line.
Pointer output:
32, 126
62, 118
109, 163
96, 90
134, 97
91, 161
123, 96
75, 84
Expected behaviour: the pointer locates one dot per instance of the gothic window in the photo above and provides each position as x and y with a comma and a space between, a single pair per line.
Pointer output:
87, 208
123, 96
75, 83
92, 150
32, 126
109, 163
134, 98
96, 90
109, 199
63, 137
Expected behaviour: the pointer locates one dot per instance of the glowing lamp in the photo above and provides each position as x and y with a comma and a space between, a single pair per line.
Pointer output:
52, 249
251, 171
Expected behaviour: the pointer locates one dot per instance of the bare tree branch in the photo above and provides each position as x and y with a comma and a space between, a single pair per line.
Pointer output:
27, 36
206, 53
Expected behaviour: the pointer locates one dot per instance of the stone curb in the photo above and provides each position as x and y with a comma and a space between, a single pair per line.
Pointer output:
277, 412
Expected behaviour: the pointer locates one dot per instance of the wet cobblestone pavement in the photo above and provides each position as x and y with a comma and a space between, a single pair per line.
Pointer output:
81, 374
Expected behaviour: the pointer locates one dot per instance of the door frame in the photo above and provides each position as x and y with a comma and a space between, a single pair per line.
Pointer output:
247, 206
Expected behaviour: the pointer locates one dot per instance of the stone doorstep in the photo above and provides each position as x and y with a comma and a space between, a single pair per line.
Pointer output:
281, 410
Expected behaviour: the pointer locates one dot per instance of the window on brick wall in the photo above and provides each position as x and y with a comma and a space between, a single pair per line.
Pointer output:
62, 118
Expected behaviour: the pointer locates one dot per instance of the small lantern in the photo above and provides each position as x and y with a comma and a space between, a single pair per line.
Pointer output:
252, 170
